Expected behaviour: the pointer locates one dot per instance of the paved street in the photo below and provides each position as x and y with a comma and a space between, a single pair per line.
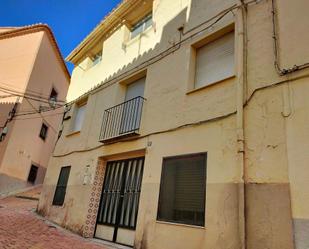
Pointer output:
21, 228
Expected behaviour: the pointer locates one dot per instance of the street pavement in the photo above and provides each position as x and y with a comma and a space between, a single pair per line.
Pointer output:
22, 228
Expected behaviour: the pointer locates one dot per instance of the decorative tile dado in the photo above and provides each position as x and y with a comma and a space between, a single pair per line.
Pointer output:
94, 200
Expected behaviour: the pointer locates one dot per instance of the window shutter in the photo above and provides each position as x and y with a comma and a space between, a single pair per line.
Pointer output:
190, 182
182, 191
79, 118
215, 61
61, 186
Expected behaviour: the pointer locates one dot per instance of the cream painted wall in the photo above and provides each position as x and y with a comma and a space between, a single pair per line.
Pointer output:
275, 127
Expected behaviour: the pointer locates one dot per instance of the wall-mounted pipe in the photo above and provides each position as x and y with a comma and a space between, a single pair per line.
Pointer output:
241, 76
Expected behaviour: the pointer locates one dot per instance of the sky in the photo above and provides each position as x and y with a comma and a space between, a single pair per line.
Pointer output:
70, 20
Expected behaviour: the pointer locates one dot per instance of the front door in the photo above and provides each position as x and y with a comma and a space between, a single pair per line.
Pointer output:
116, 220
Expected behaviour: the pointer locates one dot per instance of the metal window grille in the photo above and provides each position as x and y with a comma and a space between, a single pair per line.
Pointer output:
61, 186
121, 193
183, 190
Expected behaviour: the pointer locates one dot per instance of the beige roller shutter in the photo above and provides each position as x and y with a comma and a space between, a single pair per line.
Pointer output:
215, 61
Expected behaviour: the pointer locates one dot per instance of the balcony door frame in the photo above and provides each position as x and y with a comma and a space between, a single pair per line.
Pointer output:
134, 90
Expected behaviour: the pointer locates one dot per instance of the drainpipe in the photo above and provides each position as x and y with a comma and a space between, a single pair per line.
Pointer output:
241, 72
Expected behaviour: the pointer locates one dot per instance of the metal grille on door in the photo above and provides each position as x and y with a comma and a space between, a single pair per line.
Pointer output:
121, 193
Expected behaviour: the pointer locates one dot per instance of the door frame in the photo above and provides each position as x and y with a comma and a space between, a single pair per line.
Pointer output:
116, 226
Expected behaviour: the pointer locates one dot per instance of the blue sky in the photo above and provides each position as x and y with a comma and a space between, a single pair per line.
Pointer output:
70, 20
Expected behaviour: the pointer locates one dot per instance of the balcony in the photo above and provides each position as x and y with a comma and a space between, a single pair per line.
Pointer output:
122, 120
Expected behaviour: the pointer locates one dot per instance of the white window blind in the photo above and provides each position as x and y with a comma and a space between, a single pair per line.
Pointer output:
79, 118
215, 61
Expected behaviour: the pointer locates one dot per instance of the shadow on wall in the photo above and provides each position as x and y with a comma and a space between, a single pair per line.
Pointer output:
170, 37
5, 108
199, 12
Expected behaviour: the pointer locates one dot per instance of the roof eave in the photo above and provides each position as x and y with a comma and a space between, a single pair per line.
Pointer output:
108, 23
37, 28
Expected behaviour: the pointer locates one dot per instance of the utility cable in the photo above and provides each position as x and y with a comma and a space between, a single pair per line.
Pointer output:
281, 71
157, 57
42, 116
26, 96
28, 91
21, 93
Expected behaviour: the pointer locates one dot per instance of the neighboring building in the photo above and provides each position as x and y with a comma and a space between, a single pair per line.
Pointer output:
184, 116
34, 82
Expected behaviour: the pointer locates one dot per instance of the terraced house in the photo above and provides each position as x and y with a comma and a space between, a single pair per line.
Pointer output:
187, 127
34, 81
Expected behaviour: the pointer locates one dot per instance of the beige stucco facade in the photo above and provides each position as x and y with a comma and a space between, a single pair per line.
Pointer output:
30, 67
253, 125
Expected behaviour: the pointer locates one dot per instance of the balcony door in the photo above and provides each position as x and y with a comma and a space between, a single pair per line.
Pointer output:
132, 110
117, 215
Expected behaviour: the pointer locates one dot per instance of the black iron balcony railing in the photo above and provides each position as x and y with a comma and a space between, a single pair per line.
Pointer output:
122, 120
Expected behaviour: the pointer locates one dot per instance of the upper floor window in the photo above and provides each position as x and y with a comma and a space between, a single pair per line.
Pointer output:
43, 131
79, 117
215, 61
141, 26
97, 58
53, 95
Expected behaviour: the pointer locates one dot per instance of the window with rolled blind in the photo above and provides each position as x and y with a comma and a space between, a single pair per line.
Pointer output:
183, 190
215, 61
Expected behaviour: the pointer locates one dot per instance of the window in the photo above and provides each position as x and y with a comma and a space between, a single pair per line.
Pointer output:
61, 186
79, 117
97, 58
141, 26
53, 95
215, 61
183, 190
43, 132
32, 174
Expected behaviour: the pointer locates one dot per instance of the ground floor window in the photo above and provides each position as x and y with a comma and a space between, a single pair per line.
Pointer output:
32, 173
183, 190
61, 186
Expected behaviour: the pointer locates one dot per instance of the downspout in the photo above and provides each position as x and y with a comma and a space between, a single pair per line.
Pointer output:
241, 76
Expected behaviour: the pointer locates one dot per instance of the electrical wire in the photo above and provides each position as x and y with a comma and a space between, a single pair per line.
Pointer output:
281, 71
42, 116
157, 57
49, 115
29, 91
37, 111
26, 96
162, 55
166, 52
20, 93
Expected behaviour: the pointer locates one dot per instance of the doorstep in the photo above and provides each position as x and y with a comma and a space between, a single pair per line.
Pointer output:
110, 245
